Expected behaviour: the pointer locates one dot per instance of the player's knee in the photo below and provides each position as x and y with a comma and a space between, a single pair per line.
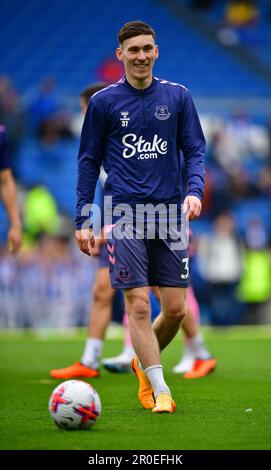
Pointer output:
176, 310
96, 294
139, 307
102, 293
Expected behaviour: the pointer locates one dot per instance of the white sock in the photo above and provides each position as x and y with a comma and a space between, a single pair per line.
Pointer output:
199, 347
188, 350
156, 377
92, 353
129, 350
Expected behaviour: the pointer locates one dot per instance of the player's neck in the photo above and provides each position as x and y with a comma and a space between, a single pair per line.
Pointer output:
140, 84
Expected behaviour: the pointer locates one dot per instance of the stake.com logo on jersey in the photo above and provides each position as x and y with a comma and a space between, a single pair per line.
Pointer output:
142, 147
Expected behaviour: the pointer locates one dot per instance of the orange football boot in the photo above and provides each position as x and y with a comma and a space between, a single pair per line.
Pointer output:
164, 404
201, 368
145, 391
74, 371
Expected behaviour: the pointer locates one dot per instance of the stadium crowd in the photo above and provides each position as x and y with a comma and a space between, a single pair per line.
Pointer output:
236, 218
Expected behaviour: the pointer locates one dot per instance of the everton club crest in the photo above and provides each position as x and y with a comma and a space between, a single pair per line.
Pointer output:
162, 113
124, 273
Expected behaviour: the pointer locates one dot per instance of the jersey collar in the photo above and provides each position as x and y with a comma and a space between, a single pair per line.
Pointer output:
144, 91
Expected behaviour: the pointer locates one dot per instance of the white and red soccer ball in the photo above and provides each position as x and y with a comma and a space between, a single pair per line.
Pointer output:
74, 404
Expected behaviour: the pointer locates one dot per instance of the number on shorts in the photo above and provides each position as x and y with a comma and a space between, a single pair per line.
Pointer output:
186, 267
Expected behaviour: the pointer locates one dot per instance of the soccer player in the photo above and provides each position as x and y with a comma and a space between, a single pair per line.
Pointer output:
196, 355
136, 128
8, 195
101, 311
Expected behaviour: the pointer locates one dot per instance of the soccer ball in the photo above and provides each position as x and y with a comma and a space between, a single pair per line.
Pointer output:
74, 404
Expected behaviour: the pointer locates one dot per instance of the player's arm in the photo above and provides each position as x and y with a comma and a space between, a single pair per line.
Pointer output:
90, 158
9, 198
192, 144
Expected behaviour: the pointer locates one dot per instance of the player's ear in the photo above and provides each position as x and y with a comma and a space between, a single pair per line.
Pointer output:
119, 53
156, 51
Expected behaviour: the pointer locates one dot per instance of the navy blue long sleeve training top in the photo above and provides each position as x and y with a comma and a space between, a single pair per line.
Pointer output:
142, 138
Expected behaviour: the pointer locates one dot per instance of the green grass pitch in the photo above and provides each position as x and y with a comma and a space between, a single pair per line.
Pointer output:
230, 409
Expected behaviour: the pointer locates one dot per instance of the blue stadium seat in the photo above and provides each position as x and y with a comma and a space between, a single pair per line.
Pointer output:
72, 50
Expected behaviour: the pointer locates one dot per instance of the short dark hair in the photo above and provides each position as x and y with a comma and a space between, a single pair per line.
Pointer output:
89, 91
135, 28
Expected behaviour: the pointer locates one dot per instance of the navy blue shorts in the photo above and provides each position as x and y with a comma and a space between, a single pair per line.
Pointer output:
147, 262
103, 257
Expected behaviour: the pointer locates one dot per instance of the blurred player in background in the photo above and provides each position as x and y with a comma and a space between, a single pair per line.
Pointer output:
103, 296
8, 195
197, 360
130, 119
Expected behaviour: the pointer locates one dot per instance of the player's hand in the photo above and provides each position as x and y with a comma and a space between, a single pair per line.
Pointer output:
85, 240
192, 207
95, 251
14, 239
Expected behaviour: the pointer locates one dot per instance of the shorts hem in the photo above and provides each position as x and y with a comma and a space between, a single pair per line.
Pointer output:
119, 285
183, 285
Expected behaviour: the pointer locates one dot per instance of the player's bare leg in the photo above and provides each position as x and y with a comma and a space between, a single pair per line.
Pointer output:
168, 322
166, 325
101, 311
143, 338
197, 361
189, 325
151, 380
191, 332
99, 319
145, 345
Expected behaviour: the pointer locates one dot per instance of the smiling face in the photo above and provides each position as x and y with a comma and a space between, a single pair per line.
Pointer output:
138, 55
